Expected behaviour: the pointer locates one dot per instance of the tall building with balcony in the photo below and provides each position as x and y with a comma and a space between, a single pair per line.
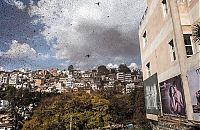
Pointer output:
171, 62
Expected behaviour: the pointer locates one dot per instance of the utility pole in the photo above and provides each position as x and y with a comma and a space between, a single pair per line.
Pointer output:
70, 125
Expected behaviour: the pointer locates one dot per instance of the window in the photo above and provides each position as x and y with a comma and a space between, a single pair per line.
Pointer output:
188, 44
148, 70
172, 50
144, 38
164, 7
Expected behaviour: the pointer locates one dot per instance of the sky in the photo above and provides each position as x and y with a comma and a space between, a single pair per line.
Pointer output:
40, 34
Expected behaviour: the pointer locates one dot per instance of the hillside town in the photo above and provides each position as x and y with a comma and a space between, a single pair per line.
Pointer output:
55, 80
65, 81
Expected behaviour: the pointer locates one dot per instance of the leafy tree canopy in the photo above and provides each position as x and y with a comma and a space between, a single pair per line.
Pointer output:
102, 70
113, 71
71, 67
84, 111
124, 68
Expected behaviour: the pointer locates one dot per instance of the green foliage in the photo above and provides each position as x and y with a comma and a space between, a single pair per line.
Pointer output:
109, 93
87, 112
139, 105
121, 109
102, 70
113, 71
124, 68
125, 108
19, 99
196, 32
71, 67
143, 126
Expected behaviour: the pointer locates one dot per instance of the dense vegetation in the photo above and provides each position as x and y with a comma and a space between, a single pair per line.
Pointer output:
20, 100
81, 110
84, 111
88, 111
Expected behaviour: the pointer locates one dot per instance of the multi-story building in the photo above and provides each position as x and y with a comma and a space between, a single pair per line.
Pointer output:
171, 62
54, 72
129, 87
4, 78
76, 74
128, 78
94, 86
39, 82
3, 105
120, 76
13, 79
79, 85
69, 84
136, 76
124, 77
5, 119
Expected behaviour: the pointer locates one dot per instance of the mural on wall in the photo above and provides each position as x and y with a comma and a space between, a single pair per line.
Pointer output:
194, 85
152, 95
172, 99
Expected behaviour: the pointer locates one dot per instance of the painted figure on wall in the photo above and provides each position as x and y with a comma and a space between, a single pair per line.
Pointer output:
173, 102
176, 99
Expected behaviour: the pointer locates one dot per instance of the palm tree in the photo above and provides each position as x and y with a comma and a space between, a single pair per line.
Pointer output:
196, 32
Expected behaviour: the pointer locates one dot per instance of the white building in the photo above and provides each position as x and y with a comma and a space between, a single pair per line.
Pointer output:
13, 79
128, 78
4, 104
69, 84
120, 76
79, 85
124, 77
94, 86
130, 87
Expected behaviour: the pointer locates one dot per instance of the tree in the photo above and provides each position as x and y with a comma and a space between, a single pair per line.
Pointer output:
84, 111
121, 109
20, 99
196, 32
108, 93
102, 70
70, 68
124, 68
138, 102
113, 71
125, 108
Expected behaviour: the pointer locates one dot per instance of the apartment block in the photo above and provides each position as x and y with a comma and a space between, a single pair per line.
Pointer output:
171, 62
124, 77
120, 76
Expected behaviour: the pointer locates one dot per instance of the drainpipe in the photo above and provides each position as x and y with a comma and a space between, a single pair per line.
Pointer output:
181, 55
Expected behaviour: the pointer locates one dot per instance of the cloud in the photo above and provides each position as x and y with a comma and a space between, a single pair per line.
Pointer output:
19, 4
1, 68
75, 29
19, 51
133, 66
111, 66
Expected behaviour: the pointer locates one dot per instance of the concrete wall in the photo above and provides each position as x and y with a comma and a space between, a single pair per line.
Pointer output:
161, 29
160, 32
